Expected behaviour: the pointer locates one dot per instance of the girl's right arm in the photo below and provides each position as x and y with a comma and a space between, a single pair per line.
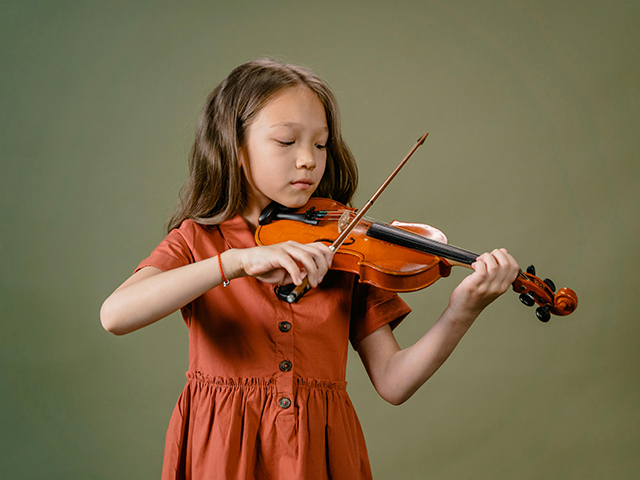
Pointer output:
151, 294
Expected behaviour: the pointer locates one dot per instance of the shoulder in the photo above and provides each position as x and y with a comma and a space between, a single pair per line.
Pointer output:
200, 240
190, 231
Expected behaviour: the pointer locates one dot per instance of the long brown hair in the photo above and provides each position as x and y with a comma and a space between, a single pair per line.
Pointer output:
215, 190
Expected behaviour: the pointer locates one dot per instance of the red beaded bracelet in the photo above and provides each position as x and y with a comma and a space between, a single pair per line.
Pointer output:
225, 282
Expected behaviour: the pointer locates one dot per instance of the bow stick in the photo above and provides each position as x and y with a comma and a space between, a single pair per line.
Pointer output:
297, 293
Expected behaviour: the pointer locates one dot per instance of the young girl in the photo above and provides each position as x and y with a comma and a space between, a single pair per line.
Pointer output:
265, 395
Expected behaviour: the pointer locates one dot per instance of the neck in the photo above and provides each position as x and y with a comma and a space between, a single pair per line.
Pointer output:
251, 214
251, 221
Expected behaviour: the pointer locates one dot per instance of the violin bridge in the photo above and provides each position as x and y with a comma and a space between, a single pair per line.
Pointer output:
345, 220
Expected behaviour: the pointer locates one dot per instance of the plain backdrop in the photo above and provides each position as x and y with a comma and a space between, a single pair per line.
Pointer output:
532, 109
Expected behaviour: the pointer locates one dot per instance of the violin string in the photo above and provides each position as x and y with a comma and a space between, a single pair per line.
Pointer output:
333, 215
337, 215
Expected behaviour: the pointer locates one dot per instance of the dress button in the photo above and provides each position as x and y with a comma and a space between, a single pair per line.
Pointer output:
284, 402
285, 365
284, 326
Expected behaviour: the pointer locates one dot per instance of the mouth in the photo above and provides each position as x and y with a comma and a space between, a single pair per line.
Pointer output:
303, 183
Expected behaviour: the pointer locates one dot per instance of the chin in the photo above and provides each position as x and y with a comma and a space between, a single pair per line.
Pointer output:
294, 202
293, 198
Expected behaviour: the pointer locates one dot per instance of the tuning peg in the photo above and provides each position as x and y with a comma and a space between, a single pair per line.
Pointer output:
527, 299
531, 270
543, 314
550, 284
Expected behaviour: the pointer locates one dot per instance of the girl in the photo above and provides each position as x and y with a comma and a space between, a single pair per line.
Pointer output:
265, 395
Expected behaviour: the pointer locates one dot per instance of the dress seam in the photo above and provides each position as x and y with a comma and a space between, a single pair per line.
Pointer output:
252, 382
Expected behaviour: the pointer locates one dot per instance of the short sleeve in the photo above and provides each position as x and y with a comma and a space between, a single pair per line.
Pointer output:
371, 308
173, 252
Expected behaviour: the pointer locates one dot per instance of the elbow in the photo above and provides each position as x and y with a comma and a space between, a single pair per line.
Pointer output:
392, 389
109, 319
395, 397
396, 400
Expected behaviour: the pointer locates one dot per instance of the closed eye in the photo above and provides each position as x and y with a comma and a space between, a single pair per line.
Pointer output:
321, 147
285, 143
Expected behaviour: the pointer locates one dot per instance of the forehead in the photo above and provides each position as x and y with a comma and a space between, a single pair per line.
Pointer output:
293, 106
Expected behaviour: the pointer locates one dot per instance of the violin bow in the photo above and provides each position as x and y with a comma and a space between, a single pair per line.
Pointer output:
296, 294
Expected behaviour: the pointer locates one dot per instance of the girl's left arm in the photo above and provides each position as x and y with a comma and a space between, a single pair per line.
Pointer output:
398, 373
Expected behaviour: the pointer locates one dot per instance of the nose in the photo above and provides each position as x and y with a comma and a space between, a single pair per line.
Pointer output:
306, 158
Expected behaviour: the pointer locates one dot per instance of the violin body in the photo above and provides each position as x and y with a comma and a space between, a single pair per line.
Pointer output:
402, 270
401, 257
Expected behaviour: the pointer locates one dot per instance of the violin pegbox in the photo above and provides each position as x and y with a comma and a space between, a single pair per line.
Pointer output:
543, 292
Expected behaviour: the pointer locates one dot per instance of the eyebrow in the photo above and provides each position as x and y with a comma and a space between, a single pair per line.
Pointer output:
294, 124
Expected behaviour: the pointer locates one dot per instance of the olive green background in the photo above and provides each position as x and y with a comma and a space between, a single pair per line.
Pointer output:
532, 109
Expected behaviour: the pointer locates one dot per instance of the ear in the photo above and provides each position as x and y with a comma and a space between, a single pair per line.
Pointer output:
242, 156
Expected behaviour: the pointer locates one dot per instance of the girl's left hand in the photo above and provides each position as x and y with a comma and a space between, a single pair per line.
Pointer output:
493, 274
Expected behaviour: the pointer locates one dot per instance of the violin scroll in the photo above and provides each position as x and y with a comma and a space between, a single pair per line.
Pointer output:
533, 290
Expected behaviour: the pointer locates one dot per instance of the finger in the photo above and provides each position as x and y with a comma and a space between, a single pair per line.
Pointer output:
493, 266
489, 278
325, 260
327, 252
274, 264
322, 255
515, 268
311, 261
508, 267
480, 268
499, 281
489, 264
288, 263
311, 258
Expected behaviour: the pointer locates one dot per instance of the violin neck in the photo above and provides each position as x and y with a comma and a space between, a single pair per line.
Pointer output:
396, 236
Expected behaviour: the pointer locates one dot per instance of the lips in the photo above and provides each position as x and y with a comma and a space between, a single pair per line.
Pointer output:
302, 183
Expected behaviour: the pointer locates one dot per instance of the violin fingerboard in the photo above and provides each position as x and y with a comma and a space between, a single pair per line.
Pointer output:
396, 236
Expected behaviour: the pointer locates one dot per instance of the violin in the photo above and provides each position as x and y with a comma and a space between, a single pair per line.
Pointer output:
401, 257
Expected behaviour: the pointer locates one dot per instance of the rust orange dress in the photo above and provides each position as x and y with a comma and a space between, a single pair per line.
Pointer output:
266, 396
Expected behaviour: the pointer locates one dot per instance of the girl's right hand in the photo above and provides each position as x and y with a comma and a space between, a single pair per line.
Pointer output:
279, 264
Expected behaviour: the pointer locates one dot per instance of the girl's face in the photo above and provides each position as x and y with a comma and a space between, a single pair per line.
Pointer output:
284, 156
